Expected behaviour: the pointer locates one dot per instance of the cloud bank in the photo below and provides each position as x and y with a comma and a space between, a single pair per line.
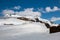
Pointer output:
48, 9
55, 19
7, 12
25, 12
29, 12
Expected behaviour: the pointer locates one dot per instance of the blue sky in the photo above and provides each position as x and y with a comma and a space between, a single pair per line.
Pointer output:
7, 4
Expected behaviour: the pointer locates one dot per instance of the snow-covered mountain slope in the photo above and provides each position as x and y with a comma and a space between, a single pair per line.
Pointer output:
8, 32
14, 28
13, 21
24, 29
29, 25
26, 19
33, 36
30, 31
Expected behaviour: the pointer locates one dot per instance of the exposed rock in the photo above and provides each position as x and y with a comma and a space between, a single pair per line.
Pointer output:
8, 24
37, 20
55, 29
47, 25
25, 19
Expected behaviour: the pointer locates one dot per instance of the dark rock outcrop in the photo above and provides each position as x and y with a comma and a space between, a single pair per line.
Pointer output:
55, 29
47, 25
8, 24
37, 20
25, 19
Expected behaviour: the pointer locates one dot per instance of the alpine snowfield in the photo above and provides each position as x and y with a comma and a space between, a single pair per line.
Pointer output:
15, 29
27, 32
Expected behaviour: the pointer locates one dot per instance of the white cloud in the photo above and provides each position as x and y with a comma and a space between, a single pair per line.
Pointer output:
56, 8
17, 7
26, 12
55, 19
7, 12
48, 9
41, 10
29, 12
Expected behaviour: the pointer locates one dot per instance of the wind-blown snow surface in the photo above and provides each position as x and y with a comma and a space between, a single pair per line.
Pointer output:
11, 21
25, 31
